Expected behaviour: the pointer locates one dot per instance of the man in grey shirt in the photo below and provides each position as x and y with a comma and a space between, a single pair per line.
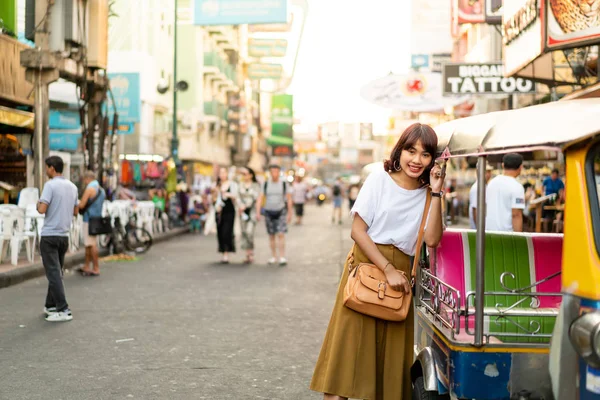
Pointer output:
277, 210
59, 203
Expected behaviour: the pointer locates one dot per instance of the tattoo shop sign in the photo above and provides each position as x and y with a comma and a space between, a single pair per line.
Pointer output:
488, 78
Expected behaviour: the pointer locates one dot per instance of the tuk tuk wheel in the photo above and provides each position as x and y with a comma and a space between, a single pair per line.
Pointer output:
419, 392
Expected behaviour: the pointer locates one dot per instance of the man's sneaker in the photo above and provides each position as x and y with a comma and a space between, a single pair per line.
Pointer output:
282, 261
60, 316
272, 260
49, 310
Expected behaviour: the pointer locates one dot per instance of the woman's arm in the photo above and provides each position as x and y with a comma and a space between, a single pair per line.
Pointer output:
396, 279
433, 233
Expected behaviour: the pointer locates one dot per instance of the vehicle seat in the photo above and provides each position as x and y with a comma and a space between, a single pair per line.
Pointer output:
530, 257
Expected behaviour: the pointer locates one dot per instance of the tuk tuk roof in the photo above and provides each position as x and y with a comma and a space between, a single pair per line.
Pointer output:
551, 126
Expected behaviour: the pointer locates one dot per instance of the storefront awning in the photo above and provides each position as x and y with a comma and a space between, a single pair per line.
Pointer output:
16, 118
587, 93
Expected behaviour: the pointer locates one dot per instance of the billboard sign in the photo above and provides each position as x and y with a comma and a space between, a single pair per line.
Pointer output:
471, 12
438, 60
239, 12
575, 25
126, 90
267, 47
258, 71
493, 12
282, 125
522, 34
488, 78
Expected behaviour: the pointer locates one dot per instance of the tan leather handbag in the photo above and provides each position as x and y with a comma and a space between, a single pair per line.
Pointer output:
368, 292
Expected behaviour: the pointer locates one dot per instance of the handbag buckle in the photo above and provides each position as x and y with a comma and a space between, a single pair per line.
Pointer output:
381, 290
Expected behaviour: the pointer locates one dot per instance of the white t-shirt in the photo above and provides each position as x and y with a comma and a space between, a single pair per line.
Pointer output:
299, 191
393, 214
503, 193
472, 205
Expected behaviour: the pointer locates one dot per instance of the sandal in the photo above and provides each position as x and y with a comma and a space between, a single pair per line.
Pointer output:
87, 273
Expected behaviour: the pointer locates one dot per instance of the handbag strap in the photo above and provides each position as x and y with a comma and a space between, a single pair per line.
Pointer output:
421, 233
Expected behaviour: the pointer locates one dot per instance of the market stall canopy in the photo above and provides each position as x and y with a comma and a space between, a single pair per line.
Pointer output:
551, 126
16, 118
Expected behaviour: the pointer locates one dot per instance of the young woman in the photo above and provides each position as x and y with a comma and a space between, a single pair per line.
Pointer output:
249, 192
364, 357
227, 196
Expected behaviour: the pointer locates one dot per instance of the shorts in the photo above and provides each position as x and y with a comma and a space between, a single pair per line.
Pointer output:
299, 209
337, 202
88, 240
277, 225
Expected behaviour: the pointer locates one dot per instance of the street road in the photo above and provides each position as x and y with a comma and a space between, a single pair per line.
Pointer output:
177, 325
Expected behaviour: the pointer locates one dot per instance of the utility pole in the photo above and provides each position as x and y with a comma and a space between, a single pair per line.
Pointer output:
41, 69
175, 139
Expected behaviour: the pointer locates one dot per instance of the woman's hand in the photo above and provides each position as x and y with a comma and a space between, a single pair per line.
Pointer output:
396, 279
436, 178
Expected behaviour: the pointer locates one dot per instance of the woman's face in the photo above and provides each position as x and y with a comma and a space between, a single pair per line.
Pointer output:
223, 175
245, 175
414, 160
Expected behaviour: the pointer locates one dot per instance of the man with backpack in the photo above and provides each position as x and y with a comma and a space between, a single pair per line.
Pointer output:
337, 201
276, 202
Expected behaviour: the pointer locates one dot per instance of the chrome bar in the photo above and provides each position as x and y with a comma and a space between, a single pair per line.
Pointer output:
480, 252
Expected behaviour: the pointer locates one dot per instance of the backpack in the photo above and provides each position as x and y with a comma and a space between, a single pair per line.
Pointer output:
337, 190
284, 187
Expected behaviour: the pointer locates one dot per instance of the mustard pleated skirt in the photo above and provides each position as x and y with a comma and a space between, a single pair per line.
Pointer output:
364, 357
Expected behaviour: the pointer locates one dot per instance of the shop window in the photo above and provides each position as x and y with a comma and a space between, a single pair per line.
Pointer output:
593, 181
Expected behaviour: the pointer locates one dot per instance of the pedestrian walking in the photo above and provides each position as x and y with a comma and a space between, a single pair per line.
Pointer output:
59, 204
352, 195
277, 212
337, 201
249, 193
299, 196
196, 214
227, 195
473, 197
505, 197
362, 356
90, 206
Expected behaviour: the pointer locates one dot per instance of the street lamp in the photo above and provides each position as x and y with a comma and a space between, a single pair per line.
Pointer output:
175, 139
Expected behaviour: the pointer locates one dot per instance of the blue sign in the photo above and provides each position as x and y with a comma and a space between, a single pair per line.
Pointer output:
419, 61
64, 119
64, 141
239, 12
126, 90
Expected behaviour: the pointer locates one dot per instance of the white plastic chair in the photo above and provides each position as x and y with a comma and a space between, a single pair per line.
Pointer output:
13, 231
28, 196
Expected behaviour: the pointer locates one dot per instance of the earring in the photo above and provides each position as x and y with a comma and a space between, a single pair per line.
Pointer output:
397, 167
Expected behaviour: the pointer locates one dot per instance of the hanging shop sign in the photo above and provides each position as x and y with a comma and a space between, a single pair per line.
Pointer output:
282, 125
239, 12
522, 30
487, 78
65, 130
258, 71
493, 12
366, 131
267, 47
438, 60
572, 23
126, 91
471, 12
417, 92
418, 61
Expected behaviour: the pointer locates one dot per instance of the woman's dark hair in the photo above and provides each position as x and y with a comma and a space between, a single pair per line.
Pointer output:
409, 138
252, 173
56, 162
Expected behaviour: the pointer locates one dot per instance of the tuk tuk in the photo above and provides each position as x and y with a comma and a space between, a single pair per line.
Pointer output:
505, 315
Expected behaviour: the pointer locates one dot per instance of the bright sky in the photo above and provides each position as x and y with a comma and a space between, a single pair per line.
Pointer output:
346, 44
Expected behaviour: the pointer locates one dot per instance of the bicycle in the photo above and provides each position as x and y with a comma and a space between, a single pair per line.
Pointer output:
129, 237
